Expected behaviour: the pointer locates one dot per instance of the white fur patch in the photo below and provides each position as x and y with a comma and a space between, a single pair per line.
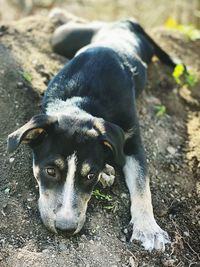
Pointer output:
145, 228
68, 190
60, 107
36, 171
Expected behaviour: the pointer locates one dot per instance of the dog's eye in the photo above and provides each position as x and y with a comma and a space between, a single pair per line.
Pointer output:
51, 171
90, 176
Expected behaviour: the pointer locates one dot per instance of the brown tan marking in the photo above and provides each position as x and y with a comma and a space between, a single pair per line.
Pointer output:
60, 163
85, 169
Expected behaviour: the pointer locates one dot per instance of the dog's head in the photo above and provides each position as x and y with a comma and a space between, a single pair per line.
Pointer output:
68, 158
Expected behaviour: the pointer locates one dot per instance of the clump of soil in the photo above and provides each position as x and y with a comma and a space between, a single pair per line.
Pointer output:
172, 146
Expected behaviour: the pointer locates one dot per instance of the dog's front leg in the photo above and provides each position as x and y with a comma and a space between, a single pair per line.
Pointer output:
145, 228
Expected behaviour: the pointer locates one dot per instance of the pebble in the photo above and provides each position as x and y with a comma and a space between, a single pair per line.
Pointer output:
125, 231
20, 85
11, 160
186, 233
45, 250
81, 245
7, 190
132, 262
168, 263
171, 150
30, 199
123, 238
123, 195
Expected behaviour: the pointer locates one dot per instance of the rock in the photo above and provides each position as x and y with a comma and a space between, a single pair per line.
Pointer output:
132, 262
168, 263
7, 191
20, 85
171, 150
125, 231
11, 160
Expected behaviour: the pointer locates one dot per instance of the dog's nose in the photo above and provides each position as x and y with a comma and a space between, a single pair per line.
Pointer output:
69, 226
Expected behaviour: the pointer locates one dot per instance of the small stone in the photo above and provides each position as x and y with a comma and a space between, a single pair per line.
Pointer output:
20, 85
45, 250
125, 231
7, 190
171, 150
123, 238
132, 262
11, 160
81, 245
186, 233
172, 167
168, 263
91, 242
124, 195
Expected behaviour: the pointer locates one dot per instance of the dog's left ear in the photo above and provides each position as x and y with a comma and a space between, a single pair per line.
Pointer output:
113, 138
31, 132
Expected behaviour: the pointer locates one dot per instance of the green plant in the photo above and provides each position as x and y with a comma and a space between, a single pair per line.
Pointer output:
100, 196
188, 30
160, 110
26, 75
183, 77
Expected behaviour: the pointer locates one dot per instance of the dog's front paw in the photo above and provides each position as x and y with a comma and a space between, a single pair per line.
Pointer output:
150, 235
107, 176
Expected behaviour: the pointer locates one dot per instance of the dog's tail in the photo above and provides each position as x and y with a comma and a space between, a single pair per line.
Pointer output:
157, 50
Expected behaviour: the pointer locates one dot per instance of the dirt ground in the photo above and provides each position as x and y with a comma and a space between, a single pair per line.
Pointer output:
172, 143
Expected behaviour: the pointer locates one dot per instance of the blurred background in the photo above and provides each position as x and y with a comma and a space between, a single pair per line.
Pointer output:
150, 13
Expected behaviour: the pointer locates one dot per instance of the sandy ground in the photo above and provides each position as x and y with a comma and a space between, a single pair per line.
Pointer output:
172, 145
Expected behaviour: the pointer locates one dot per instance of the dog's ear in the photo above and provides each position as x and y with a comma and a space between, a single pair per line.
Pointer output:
113, 139
31, 132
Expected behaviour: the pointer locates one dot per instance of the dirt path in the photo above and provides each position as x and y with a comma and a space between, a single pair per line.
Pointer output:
24, 241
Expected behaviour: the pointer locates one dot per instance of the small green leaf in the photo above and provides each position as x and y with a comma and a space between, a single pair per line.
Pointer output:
27, 76
190, 31
178, 72
161, 110
191, 79
184, 77
100, 196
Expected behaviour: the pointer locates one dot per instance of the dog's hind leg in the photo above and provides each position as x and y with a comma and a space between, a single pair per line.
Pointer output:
72, 36
145, 228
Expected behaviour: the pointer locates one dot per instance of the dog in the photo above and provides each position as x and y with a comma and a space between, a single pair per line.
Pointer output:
89, 120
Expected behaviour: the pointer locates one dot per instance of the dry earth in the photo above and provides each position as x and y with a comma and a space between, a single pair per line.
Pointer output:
172, 142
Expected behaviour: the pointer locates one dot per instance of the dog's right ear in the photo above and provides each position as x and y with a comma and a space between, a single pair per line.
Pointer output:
37, 127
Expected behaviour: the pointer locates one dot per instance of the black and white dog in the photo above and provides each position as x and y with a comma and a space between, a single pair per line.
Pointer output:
89, 119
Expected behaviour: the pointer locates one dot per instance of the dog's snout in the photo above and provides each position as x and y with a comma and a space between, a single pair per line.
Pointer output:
66, 221
69, 226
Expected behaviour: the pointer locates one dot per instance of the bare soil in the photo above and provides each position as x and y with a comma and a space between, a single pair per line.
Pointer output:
172, 143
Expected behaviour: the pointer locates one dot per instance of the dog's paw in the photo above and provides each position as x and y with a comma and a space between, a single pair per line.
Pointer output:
107, 176
150, 235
